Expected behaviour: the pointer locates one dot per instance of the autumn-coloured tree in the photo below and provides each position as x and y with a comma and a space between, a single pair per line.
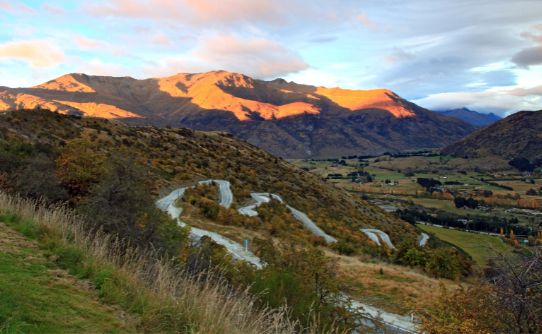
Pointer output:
468, 310
79, 166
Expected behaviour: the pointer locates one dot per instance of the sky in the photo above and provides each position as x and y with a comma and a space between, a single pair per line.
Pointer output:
442, 54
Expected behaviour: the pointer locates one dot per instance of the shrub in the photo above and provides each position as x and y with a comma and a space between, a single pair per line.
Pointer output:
444, 263
414, 257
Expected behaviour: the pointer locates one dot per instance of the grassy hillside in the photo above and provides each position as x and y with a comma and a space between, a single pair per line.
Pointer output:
112, 174
75, 149
37, 296
60, 278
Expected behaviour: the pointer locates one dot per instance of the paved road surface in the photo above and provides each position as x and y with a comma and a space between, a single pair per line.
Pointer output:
424, 237
377, 236
261, 198
237, 251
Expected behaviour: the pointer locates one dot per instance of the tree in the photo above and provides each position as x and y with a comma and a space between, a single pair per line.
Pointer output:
36, 178
444, 263
532, 192
518, 292
522, 164
468, 310
302, 278
428, 184
121, 204
79, 166
509, 300
459, 202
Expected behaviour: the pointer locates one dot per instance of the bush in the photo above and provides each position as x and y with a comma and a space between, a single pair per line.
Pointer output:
444, 263
415, 258
209, 208
344, 248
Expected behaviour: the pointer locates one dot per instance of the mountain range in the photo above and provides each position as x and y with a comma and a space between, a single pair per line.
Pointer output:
516, 136
285, 118
472, 117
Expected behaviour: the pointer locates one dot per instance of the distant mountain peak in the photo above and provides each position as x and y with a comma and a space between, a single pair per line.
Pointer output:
472, 117
69, 82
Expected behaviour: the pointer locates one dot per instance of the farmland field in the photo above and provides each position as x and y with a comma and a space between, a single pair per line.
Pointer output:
479, 246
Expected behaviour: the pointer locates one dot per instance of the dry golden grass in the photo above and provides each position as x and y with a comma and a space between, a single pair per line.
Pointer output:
395, 289
166, 298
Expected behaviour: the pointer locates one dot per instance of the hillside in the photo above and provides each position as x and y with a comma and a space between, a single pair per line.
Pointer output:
471, 117
59, 277
284, 118
517, 136
177, 157
50, 300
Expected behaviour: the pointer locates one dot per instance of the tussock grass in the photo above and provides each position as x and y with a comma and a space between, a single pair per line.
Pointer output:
163, 297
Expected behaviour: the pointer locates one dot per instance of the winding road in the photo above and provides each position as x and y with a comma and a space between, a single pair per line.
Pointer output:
395, 322
261, 198
377, 236
237, 251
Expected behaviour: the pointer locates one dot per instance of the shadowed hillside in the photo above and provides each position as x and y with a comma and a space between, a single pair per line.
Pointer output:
518, 136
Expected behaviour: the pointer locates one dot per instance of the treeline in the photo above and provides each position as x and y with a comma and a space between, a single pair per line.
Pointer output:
475, 223
524, 165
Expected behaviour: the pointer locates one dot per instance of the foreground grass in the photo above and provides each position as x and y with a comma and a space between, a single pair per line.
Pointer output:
479, 246
37, 297
162, 297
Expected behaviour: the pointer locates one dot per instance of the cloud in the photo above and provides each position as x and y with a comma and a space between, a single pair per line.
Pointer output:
84, 43
398, 55
323, 39
14, 8
55, 10
520, 91
528, 57
502, 101
366, 21
532, 55
37, 53
160, 39
194, 11
434, 63
98, 67
258, 57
